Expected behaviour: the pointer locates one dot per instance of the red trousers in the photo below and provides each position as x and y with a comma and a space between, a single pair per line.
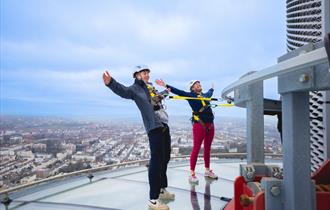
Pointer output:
199, 135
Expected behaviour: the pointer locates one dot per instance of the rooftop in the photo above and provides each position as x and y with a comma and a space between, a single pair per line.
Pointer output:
127, 188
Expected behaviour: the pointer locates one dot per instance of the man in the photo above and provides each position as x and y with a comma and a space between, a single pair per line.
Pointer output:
140, 94
203, 126
162, 116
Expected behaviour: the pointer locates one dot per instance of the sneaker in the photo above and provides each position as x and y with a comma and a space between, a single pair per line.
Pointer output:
193, 179
157, 205
210, 174
166, 195
208, 181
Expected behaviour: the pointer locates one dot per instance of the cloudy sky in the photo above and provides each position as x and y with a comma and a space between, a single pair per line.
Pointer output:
53, 53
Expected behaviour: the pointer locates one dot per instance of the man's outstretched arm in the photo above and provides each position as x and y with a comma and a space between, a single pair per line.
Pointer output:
116, 87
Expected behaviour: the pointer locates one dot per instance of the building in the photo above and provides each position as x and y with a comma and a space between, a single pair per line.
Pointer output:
42, 173
308, 22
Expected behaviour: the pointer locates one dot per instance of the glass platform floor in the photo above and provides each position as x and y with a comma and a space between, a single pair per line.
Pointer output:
128, 188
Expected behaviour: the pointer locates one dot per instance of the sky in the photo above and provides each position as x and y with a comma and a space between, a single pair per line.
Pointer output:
53, 52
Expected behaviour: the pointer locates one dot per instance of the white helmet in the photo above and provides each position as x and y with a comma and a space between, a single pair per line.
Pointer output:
140, 68
191, 83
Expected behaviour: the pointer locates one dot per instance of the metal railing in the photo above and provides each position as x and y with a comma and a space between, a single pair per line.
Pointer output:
306, 72
89, 172
72, 174
303, 61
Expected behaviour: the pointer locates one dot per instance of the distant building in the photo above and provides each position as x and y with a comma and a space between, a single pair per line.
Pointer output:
25, 154
308, 22
62, 156
16, 139
84, 157
28, 179
7, 152
70, 147
233, 149
42, 173
80, 147
39, 148
43, 155
9, 132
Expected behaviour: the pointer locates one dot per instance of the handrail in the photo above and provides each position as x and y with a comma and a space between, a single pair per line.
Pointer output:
302, 61
103, 168
76, 173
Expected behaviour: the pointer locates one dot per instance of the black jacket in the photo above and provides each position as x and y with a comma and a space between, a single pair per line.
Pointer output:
139, 93
207, 114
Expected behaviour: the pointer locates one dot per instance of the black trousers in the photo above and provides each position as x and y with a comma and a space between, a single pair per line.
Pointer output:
160, 149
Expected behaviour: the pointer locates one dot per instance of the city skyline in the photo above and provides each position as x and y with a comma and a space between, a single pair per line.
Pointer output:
33, 148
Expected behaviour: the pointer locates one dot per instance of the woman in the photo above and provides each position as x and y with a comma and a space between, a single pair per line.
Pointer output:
203, 126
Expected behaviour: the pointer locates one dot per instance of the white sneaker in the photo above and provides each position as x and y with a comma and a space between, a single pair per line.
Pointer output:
166, 195
193, 179
157, 205
210, 174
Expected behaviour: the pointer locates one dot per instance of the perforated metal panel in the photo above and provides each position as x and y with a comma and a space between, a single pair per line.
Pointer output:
307, 22
317, 128
304, 22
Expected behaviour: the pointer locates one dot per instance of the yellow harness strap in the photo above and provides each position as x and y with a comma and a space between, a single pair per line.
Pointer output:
151, 90
203, 102
196, 117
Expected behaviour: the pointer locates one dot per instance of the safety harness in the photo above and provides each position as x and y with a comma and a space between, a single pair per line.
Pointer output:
156, 98
195, 115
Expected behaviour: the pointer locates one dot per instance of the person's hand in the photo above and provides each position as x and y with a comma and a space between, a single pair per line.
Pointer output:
160, 82
106, 78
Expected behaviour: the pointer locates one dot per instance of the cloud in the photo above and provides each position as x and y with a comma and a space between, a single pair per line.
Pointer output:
61, 54
54, 87
164, 32
54, 52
